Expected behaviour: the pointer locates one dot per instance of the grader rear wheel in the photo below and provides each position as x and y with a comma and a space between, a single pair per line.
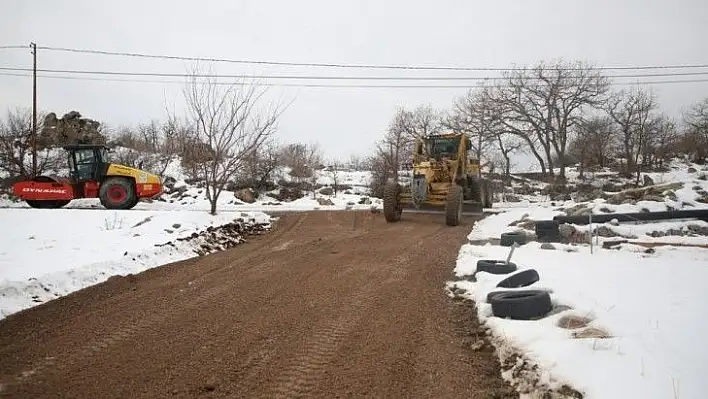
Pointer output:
392, 207
453, 207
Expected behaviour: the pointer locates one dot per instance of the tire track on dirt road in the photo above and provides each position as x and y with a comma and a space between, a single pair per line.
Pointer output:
159, 320
334, 311
114, 334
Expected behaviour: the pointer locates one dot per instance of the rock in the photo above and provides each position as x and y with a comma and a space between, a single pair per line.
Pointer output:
169, 182
511, 198
578, 210
176, 226
652, 197
477, 346
700, 230
70, 129
614, 222
459, 291
547, 245
325, 201
670, 194
327, 191
604, 231
365, 201
648, 181
246, 195
524, 189
629, 201
691, 170
211, 384
611, 187
566, 231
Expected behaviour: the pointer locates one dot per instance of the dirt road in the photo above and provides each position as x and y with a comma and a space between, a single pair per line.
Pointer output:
327, 305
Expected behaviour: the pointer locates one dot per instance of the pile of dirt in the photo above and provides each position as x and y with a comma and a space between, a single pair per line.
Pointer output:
215, 239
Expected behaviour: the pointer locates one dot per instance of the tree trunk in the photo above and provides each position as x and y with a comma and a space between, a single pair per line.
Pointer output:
212, 203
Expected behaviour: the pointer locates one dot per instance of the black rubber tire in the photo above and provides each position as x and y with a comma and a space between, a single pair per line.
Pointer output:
475, 194
392, 209
495, 266
523, 278
47, 204
546, 224
508, 239
494, 293
453, 205
120, 184
521, 305
488, 196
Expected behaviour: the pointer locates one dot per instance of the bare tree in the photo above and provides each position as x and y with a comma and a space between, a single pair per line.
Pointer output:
258, 167
593, 142
302, 159
631, 111
473, 114
507, 144
661, 141
420, 122
227, 121
333, 170
16, 147
541, 105
696, 136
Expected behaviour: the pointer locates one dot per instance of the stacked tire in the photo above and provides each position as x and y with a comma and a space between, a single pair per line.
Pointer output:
547, 231
515, 304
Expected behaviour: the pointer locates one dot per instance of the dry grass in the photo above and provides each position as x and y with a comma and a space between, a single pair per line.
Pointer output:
572, 322
592, 332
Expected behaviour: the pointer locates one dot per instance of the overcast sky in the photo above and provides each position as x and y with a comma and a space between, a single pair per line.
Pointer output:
343, 120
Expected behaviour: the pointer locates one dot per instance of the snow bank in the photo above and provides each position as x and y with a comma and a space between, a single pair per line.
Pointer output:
651, 305
50, 253
649, 301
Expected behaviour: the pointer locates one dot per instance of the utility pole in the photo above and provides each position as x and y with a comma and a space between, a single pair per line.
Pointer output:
33, 46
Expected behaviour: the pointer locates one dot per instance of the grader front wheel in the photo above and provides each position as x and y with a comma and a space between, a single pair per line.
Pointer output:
392, 207
453, 207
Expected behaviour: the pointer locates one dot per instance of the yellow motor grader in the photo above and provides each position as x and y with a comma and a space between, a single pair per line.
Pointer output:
445, 175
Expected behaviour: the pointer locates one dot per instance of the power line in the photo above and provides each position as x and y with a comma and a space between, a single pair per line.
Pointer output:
341, 65
308, 85
319, 77
13, 47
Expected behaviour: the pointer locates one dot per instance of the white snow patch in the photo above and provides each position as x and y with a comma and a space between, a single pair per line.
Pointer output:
65, 250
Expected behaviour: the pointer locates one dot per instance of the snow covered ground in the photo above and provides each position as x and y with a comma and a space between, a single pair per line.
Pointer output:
49, 253
644, 307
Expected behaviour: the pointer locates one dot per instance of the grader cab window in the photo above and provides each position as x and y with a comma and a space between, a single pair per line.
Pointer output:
439, 147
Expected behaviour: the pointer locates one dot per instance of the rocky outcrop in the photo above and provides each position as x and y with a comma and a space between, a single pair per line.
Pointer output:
69, 129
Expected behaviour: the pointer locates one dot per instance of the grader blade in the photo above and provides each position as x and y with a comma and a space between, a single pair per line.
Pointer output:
469, 208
